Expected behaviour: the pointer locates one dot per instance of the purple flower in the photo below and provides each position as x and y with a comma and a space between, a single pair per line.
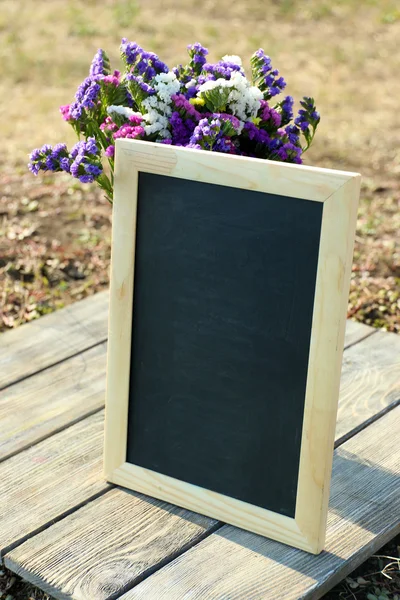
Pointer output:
85, 161
269, 115
302, 120
100, 64
222, 69
185, 107
290, 153
48, 158
225, 145
181, 130
286, 107
85, 147
197, 54
130, 51
150, 65
110, 151
86, 97
65, 164
293, 133
264, 76
259, 136
138, 84
59, 150
208, 135
85, 166
307, 115
146, 64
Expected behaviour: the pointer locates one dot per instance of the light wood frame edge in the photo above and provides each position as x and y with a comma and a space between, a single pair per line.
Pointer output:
333, 188
339, 217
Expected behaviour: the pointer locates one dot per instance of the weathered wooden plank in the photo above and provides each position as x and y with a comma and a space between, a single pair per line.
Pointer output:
52, 399
30, 348
107, 546
43, 482
234, 564
355, 332
103, 534
42, 404
370, 381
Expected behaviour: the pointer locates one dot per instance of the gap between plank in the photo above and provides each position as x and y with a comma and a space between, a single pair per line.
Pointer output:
220, 524
75, 508
96, 410
54, 364
58, 362
365, 424
367, 335
56, 519
51, 433
165, 561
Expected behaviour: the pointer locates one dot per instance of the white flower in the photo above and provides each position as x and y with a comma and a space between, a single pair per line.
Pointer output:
125, 111
212, 84
158, 107
243, 100
232, 58
190, 83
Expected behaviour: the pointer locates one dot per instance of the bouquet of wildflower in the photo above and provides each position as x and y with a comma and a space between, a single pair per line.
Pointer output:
208, 106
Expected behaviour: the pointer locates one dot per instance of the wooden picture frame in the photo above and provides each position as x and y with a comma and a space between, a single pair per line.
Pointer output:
339, 192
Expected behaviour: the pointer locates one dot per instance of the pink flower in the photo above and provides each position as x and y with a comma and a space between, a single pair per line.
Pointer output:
108, 125
127, 131
64, 110
135, 119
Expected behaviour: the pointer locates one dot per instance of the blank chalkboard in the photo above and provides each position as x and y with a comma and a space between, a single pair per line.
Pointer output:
229, 287
224, 293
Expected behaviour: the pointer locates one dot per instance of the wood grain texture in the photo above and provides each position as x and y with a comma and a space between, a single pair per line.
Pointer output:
339, 193
364, 514
106, 546
54, 398
259, 562
41, 483
120, 317
325, 359
42, 404
299, 181
370, 380
52, 338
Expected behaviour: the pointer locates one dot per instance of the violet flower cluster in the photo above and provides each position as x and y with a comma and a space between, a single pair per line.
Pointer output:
201, 105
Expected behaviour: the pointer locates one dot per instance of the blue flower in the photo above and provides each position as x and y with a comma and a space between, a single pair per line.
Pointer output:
48, 158
267, 79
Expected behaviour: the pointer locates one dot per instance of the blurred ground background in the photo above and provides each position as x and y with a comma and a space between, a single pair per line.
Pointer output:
55, 233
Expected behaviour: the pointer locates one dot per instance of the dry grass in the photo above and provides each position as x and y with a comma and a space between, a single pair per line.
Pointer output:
343, 52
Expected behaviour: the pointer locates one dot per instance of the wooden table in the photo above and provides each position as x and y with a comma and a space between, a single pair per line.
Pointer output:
66, 530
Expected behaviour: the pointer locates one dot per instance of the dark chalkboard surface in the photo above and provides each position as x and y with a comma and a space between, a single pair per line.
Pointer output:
223, 303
